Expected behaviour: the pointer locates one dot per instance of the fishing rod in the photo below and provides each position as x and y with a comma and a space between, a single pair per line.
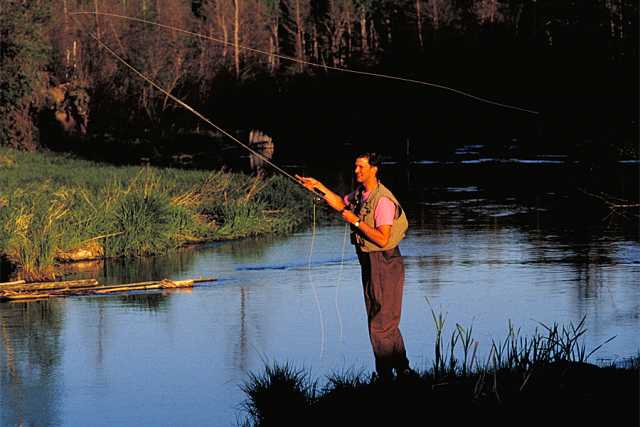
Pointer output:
315, 191
309, 63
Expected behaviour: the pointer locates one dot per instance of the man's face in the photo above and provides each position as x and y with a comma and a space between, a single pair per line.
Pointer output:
364, 171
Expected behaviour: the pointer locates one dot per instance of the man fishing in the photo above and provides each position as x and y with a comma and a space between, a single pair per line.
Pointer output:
378, 224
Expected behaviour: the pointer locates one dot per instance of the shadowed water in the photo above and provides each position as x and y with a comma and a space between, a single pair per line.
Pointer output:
178, 357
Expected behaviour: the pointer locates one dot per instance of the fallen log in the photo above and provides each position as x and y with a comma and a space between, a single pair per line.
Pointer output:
20, 285
164, 284
14, 283
13, 295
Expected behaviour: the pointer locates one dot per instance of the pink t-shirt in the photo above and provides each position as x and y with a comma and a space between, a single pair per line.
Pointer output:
385, 210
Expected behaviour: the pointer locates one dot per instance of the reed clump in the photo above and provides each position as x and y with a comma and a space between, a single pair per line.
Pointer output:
281, 395
543, 379
56, 209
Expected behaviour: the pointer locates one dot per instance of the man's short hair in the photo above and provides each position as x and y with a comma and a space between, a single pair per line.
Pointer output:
374, 159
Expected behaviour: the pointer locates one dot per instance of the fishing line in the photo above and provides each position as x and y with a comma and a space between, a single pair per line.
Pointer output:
312, 64
313, 285
194, 111
344, 245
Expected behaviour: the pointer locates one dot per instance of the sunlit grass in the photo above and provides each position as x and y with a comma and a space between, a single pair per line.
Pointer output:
54, 208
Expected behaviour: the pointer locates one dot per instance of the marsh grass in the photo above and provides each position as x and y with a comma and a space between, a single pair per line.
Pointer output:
55, 209
280, 395
543, 379
32, 228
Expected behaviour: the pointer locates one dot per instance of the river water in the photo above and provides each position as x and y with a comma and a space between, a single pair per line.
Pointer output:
479, 256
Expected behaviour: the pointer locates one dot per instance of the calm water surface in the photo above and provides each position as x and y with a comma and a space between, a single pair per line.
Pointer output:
178, 358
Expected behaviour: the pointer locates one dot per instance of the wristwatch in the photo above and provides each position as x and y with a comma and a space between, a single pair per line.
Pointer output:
357, 223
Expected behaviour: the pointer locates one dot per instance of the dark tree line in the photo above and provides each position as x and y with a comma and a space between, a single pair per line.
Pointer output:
574, 61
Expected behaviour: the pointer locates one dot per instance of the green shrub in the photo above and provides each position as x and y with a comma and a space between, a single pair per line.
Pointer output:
25, 54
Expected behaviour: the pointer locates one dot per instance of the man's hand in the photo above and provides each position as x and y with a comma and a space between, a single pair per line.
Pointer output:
308, 182
349, 216
334, 200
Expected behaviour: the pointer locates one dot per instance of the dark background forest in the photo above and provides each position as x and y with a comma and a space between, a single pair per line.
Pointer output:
574, 62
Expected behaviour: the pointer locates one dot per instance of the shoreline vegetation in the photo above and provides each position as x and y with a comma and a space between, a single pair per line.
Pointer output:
543, 379
55, 209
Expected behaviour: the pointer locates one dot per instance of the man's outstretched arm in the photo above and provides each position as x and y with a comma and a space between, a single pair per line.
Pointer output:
379, 235
332, 199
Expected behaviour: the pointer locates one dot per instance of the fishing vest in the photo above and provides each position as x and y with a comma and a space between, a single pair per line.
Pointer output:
366, 214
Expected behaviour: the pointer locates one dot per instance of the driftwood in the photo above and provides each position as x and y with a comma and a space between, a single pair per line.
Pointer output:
164, 284
21, 286
26, 293
9, 284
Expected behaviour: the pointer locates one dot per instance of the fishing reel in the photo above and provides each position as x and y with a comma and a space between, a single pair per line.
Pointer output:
319, 195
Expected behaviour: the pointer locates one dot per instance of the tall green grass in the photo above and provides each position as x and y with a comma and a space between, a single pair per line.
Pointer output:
54, 208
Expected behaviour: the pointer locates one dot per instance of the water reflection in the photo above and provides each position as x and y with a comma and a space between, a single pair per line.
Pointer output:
130, 270
150, 268
29, 362
153, 302
249, 250
240, 342
5, 270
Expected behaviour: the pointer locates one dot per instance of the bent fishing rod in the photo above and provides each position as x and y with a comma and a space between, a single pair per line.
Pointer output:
304, 62
315, 191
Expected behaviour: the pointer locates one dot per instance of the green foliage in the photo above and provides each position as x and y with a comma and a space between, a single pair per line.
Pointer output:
281, 191
143, 221
52, 207
25, 54
240, 219
33, 227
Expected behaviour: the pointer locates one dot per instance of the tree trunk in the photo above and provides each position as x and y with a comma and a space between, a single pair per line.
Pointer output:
275, 46
65, 29
299, 37
373, 38
316, 44
419, 23
97, 22
433, 8
621, 19
363, 32
225, 33
236, 36
349, 34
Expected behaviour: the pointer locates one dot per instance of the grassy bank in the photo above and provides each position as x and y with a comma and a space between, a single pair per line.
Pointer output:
544, 379
54, 208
